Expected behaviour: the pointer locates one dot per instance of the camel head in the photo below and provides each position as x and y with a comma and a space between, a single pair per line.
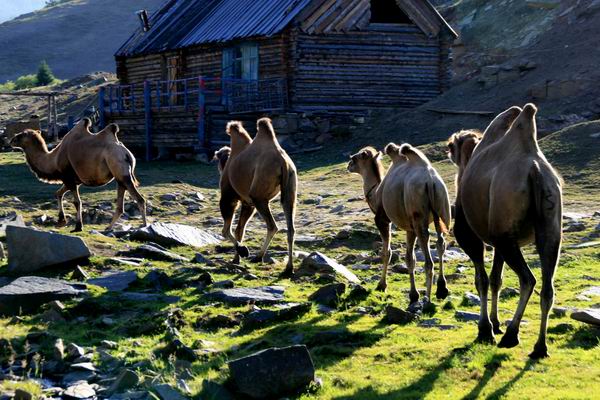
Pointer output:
28, 139
366, 160
221, 156
461, 145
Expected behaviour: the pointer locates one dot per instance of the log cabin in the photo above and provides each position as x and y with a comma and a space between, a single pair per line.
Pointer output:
194, 64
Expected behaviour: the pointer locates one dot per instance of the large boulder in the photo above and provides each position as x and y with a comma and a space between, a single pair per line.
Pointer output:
318, 263
241, 296
273, 373
30, 250
175, 235
27, 293
590, 316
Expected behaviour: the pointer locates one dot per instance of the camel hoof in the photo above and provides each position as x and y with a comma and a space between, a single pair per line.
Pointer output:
497, 329
539, 352
243, 251
509, 341
442, 292
288, 273
381, 287
485, 338
78, 228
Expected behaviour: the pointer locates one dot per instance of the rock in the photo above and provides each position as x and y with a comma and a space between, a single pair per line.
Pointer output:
84, 366
225, 284
584, 245
213, 390
216, 322
59, 350
318, 263
241, 296
21, 394
79, 274
395, 315
148, 297
74, 351
30, 250
10, 219
51, 315
590, 316
159, 280
509, 292
152, 251
115, 281
108, 344
466, 316
179, 350
2, 254
176, 235
167, 392
81, 390
574, 226
75, 377
127, 379
28, 293
471, 299
273, 373
259, 318
591, 291
200, 259
328, 295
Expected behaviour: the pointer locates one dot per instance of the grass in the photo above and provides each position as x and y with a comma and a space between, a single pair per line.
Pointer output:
356, 355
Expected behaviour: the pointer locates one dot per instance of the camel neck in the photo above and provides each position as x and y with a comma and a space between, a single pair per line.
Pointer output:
39, 159
239, 143
371, 182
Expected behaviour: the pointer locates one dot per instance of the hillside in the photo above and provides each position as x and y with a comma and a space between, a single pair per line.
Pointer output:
75, 38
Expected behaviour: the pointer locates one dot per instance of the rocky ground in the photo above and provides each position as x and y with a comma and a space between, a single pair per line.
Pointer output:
162, 312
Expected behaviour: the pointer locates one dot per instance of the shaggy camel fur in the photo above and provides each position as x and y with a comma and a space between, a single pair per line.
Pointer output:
256, 172
82, 158
221, 156
508, 196
411, 195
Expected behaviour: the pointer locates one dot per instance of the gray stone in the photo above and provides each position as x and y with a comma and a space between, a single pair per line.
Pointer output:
152, 251
145, 297
10, 219
328, 295
259, 318
2, 255
167, 392
509, 292
21, 394
591, 291
115, 281
176, 235
59, 350
213, 390
591, 316
84, 366
241, 296
28, 293
471, 299
466, 316
584, 245
395, 315
273, 373
75, 351
81, 390
30, 250
77, 376
318, 263
127, 379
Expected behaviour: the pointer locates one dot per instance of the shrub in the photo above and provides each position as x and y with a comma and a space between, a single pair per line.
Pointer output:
7, 86
44, 74
26, 82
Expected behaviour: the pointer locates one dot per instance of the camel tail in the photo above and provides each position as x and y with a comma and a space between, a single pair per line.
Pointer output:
439, 206
289, 186
131, 161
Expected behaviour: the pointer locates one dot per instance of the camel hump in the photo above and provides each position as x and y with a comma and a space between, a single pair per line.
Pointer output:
264, 128
110, 131
524, 129
234, 126
392, 150
413, 154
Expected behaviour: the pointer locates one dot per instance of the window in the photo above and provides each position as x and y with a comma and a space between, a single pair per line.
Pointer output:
387, 12
241, 62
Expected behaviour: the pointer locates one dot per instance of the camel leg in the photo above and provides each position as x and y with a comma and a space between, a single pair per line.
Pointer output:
288, 202
442, 286
409, 258
496, 285
384, 226
228, 204
423, 237
119, 206
548, 245
77, 203
60, 194
137, 197
473, 246
246, 214
262, 206
514, 258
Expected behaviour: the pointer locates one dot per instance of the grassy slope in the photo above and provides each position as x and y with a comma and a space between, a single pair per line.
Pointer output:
368, 360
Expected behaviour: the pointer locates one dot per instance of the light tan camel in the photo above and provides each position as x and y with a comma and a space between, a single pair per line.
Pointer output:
83, 158
508, 196
256, 172
221, 156
411, 195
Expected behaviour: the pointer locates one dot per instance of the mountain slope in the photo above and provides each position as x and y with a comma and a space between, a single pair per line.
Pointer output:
75, 38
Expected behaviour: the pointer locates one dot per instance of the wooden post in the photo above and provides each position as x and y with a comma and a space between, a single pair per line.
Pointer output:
101, 107
201, 113
148, 114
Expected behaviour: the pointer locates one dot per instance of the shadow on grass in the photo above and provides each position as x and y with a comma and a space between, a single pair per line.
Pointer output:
502, 391
585, 337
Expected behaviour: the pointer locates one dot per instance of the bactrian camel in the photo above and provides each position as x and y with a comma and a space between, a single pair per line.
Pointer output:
257, 171
83, 158
411, 195
221, 156
508, 195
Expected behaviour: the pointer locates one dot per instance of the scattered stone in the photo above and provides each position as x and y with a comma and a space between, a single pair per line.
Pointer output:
30, 250
590, 316
466, 316
273, 373
2, 255
213, 390
127, 379
574, 226
591, 291
108, 344
77, 376
115, 281
584, 245
176, 235
148, 297
358, 293
167, 392
509, 292
81, 390
52, 315
159, 280
21, 394
84, 366
226, 284
318, 263
259, 318
562, 311
329, 295
10, 219
74, 351
179, 350
395, 315
216, 322
59, 350
200, 259
152, 251
241, 296
471, 299
28, 293
79, 274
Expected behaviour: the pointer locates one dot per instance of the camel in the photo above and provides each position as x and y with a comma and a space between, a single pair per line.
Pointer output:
411, 195
82, 158
257, 171
508, 195
221, 156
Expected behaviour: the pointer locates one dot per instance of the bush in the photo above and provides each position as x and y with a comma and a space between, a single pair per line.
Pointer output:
44, 75
26, 82
7, 86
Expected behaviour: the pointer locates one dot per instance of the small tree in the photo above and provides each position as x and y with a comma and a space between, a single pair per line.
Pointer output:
44, 74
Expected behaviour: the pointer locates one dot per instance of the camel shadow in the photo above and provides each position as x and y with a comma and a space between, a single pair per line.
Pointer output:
502, 391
